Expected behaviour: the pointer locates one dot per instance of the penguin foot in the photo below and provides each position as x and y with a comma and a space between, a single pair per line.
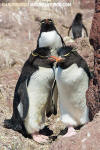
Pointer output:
71, 131
55, 111
39, 138
49, 114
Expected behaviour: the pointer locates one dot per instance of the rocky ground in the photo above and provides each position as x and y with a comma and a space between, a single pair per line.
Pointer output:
19, 30
88, 138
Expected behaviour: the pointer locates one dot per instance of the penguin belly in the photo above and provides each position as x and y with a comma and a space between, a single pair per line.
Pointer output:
50, 39
72, 84
38, 89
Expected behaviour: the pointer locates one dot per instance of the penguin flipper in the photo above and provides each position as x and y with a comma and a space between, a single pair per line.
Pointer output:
55, 98
16, 126
70, 28
24, 101
52, 101
15, 123
85, 30
49, 107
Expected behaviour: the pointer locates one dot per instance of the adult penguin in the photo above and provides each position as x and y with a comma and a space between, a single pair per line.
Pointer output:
72, 76
32, 92
49, 37
77, 29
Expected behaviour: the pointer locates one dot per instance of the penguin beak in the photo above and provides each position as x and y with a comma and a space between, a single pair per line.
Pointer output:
57, 59
47, 21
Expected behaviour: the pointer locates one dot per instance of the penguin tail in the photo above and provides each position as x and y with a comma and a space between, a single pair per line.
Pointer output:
16, 126
12, 124
8, 123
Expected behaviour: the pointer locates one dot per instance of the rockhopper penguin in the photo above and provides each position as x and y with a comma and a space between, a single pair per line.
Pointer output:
49, 37
32, 92
77, 29
72, 76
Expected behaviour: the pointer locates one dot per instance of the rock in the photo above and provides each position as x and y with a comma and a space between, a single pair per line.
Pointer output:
97, 5
95, 28
88, 138
86, 4
95, 42
6, 60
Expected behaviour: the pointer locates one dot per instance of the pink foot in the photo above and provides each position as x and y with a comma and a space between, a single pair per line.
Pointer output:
71, 131
40, 138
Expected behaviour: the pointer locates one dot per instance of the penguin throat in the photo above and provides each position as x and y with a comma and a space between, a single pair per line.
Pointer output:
50, 39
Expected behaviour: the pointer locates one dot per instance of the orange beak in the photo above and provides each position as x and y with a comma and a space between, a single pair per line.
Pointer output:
57, 59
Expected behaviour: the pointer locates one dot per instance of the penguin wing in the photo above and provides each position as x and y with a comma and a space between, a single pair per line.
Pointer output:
63, 43
23, 95
84, 65
21, 87
55, 96
85, 30
81, 62
69, 30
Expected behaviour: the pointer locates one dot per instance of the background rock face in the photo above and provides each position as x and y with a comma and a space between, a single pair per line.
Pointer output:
87, 4
19, 30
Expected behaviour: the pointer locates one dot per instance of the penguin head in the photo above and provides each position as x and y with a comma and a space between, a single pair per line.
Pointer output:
78, 17
65, 51
43, 51
47, 25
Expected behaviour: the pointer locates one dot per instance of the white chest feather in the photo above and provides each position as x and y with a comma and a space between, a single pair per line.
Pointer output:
39, 89
72, 86
41, 79
50, 39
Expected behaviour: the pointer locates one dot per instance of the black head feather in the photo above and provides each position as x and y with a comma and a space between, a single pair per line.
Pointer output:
47, 25
65, 50
78, 18
43, 51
